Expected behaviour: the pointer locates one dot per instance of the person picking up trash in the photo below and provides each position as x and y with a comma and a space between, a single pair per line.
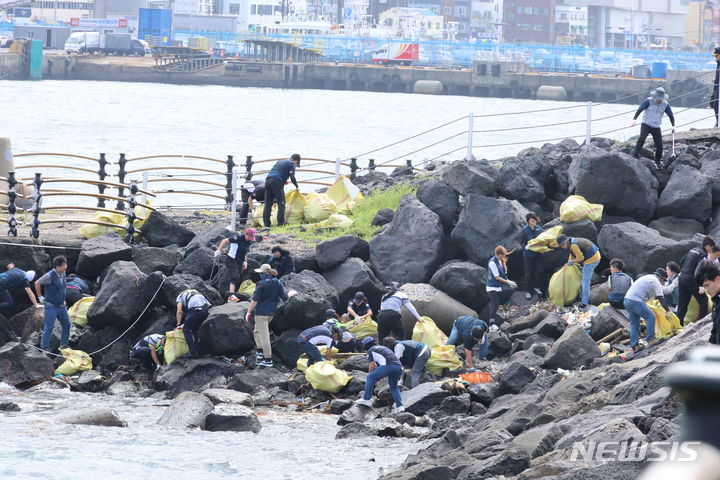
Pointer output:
239, 245
531, 260
644, 289
310, 338
497, 279
275, 187
149, 350
252, 190
383, 363
358, 307
585, 254
192, 310
390, 307
470, 331
655, 106
347, 342
15, 277
281, 261
412, 355
268, 293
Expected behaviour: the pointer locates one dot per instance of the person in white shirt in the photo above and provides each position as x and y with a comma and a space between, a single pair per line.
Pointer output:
389, 316
645, 288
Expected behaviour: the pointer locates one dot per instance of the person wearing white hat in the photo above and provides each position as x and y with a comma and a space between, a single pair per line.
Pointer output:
655, 106
268, 293
15, 277
251, 190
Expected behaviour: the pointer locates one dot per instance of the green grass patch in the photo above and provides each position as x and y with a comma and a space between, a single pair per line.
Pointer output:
362, 216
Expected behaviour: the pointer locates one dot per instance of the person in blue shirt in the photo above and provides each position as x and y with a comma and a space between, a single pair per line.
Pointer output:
531, 259
412, 355
275, 187
655, 106
14, 277
383, 363
268, 293
281, 261
469, 331
55, 284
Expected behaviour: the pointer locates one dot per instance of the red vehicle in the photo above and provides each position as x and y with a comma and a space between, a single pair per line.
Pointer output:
397, 53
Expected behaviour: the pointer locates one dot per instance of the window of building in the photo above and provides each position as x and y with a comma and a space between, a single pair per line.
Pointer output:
447, 10
234, 9
460, 11
539, 27
524, 26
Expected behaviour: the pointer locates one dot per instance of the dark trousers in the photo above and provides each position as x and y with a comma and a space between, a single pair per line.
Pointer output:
347, 347
714, 106
494, 304
533, 272
618, 305
142, 354
245, 207
656, 133
193, 319
274, 192
389, 322
6, 299
689, 289
312, 352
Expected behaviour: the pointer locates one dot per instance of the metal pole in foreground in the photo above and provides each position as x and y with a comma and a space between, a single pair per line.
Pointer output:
233, 206
468, 155
145, 187
588, 124
337, 168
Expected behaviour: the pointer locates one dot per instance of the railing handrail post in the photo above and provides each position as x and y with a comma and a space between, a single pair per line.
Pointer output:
121, 179
102, 174
130, 214
229, 195
12, 208
37, 199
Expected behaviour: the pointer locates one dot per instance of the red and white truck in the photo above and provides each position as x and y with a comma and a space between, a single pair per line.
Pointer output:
397, 53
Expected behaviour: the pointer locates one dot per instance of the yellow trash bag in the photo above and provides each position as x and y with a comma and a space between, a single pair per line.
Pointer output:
247, 287
78, 312
326, 377
302, 362
565, 285
75, 361
602, 306
318, 208
366, 328
576, 208
693, 311
294, 207
428, 333
257, 216
344, 194
443, 357
547, 239
119, 219
175, 346
667, 323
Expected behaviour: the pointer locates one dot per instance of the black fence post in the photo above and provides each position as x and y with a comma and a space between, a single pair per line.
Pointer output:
121, 180
353, 168
229, 194
12, 208
37, 199
371, 165
131, 217
102, 174
408, 162
248, 168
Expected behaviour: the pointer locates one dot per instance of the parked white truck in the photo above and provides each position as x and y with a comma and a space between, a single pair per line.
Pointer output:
107, 43
83, 42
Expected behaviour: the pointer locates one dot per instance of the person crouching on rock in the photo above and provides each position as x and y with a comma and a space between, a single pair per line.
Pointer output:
358, 308
586, 254
55, 284
412, 355
192, 310
15, 278
236, 264
390, 308
470, 331
268, 293
531, 259
619, 282
281, 261
149, 351
643, 290
347, 342
383, 363
497, 279
310, 338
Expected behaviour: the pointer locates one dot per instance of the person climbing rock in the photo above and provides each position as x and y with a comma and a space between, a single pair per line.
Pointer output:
390, 308
149, 351
275, 187
268, 293
654, 107
383, 363
412, 355
469, 331
281, 261
497, 279
239, 245
55, 283
192, 311
586, 254
15, 277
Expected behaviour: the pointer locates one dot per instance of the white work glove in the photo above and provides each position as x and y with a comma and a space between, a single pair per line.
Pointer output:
244, 266
248, 316
701, 290
512, 284
41, 299
217, 253
157, 367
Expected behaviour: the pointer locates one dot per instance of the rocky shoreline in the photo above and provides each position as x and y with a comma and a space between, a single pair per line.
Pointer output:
552, 385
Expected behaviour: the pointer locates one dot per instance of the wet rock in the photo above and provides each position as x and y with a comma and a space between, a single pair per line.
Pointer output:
188, 410
248, 382
419, 232
124, 388
102, 418
421, 472
441, 198
351, 276
379, 427
463, 281
469, 177
383, 217
357, 413
422, 398
121, 297
195, 375
93, 339
9, 407
515, 378
433, 303
199, 262
483, 393
153, 259
307, 308
358, 362
677, 228
222, 395
22, 365
89, 381
594, 174
286, 347
338, 406
225, 331
485, 223
7, 334
608, 321
539, 440
174, 285
688, 194
551, 326
511, 462
334, 252
160, 231
99, 252
232, 418
455, 405
572, 350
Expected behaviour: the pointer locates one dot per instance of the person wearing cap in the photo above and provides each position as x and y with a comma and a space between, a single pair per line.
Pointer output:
716, 83
412, 355
310, 338
531, 259
390, 308
358, 307
281, 261
15, 277
239, 245
55, 283
268, 293
252, 190
275, 187
497, 278
470, 331
654, 107
192, 311
347, 342
148, 351
586, 255
382, 363
644, 289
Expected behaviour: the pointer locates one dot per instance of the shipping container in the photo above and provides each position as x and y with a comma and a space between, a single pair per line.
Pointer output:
155, 26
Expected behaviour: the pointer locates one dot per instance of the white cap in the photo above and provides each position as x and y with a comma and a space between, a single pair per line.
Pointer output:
249, 186
30, 275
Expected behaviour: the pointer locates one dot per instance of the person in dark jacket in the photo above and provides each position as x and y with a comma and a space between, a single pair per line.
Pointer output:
192, 311
707, 276
470, 331
281, 261
239, 245
671, 290
268, 293
275, 187
655, 106
382, 363
412, 355
15, 277
498, 285
390, 307
55, 284
252, 190
348, 342
531, 259
619, 282
310, 338
149, 351
358, 308
77, 288
686, 284
716, 85
585, 254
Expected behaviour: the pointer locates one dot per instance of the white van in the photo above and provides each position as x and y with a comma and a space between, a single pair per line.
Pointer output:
83, 42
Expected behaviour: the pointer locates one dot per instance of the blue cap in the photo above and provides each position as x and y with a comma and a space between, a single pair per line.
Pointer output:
368, 342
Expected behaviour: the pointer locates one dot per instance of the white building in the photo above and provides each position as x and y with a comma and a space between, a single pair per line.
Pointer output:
253, 15
571, 22
52, 11
486, 19
413, 22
